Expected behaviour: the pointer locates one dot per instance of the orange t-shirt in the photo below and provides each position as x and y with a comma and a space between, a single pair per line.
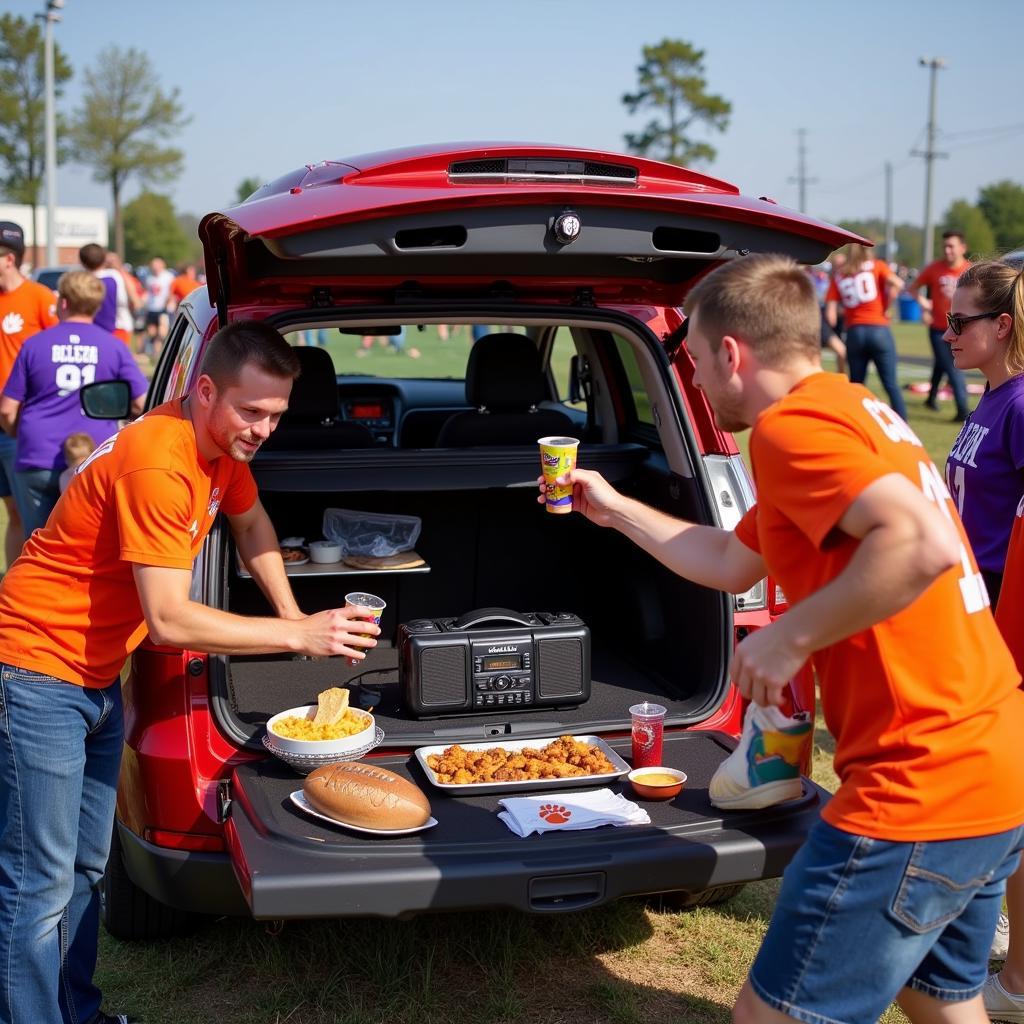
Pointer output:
940, 279
27, 310
1010, 610
69, 606
924, 706
864, 296
182, 287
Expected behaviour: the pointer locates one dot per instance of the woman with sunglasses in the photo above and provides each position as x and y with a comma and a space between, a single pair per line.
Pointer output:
866, 288
985, 475
985, 469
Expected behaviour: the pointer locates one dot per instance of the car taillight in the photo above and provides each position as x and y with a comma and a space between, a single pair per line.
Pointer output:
733, 493
184, 840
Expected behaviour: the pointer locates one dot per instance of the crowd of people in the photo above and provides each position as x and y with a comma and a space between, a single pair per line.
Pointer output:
892, 572
101, 318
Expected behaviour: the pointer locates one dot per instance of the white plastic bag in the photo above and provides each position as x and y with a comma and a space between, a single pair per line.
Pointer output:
370, 533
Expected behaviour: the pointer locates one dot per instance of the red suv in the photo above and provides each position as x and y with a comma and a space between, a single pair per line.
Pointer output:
386, 269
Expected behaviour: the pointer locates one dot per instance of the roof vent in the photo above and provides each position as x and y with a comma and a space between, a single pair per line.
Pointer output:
519, 169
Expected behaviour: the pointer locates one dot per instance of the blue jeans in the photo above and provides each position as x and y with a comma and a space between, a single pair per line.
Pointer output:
36, 491
859, 919
869, 343
943, 366
60, 753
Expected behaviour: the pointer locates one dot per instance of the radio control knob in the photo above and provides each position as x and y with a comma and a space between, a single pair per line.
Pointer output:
502, 683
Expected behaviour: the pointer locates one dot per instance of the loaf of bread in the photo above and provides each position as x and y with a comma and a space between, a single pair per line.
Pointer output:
364, 795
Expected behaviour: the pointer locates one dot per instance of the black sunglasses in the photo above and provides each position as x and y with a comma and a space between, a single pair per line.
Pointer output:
956, 323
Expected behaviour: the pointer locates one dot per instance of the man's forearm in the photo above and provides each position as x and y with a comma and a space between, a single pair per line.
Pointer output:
258, 549
201, 628
703, 554
886, 573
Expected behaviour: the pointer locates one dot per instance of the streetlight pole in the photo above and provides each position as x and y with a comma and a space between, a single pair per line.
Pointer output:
933, 64
50, 17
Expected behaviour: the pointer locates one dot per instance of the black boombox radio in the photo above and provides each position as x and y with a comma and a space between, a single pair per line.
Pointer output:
493, 659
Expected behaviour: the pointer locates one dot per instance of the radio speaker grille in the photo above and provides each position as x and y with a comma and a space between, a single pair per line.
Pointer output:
560, 668
444, 675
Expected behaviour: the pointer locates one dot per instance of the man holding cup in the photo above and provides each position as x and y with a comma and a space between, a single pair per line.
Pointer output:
904, 874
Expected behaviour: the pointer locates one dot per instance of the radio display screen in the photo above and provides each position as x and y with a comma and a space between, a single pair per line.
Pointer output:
366, 410
504, 662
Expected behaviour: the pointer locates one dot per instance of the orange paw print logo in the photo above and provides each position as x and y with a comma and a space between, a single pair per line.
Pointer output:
555, 814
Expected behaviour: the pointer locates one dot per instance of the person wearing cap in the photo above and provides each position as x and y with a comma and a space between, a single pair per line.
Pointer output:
26, 308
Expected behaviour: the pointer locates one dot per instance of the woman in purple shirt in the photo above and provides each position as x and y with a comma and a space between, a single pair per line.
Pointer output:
40, 403
985, 469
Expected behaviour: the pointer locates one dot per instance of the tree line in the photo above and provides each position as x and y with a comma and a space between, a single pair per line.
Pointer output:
126, 123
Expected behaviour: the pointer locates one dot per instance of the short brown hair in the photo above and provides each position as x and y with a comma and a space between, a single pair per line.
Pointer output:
78, 447
243, 342
91, 256
1000, 288
82, 291
767, 300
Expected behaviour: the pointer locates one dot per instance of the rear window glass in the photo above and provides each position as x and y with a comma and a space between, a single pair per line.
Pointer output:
435, 351
641, 400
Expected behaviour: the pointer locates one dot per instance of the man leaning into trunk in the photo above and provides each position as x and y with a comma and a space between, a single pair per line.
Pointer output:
113, 563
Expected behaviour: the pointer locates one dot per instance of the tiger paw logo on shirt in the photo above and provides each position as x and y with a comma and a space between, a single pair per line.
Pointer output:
13, 323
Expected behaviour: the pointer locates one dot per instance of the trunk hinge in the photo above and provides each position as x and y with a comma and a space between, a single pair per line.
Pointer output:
322, 298
584, 297
673, 341
223, 293
224, 800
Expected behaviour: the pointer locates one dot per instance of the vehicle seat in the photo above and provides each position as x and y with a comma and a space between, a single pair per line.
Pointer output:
505, 382
311, 421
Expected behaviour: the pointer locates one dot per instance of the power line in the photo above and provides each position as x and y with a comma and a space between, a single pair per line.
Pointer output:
801, 178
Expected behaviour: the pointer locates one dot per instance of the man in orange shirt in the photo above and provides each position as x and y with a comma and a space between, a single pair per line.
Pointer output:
940, 278
183, 285
114, 562
896, 892
26, 308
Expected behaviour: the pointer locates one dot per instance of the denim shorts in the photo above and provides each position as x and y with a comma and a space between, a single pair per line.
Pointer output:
8, 455
858, 919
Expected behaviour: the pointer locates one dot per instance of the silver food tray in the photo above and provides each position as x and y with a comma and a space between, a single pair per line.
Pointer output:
480, 788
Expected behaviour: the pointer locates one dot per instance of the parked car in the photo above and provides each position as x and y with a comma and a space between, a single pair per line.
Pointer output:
49, 276
587, 256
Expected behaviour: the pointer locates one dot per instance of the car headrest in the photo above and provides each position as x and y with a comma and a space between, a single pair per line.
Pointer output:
504, 373
314, 395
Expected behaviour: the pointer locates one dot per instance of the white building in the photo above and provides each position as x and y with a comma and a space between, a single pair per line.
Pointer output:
75, 226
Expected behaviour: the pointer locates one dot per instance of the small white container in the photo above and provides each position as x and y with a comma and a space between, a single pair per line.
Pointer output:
339, 746
324, 551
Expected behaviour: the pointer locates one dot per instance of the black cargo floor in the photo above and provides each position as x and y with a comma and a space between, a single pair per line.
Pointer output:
266, 786
260, 687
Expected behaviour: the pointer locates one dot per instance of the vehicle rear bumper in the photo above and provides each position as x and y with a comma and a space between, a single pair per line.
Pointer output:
202, 883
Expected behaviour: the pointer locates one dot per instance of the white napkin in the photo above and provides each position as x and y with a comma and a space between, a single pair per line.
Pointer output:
545, 813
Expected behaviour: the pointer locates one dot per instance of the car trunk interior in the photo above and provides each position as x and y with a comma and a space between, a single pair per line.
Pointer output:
653, 635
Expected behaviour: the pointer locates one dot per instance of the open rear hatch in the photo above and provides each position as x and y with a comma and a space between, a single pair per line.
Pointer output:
542, 221
291, 865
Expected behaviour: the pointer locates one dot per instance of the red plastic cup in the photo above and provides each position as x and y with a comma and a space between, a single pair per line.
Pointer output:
371, 601
648, 734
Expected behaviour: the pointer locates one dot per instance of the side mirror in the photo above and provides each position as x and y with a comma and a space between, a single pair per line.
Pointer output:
107, 400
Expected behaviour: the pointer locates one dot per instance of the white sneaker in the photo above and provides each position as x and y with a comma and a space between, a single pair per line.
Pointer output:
1000, 1004
765, 768
1001, 939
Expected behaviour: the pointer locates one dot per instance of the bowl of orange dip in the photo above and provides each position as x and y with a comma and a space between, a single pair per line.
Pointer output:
657, 783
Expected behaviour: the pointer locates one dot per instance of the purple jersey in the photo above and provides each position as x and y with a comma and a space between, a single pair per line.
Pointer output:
51, 366
985, 471
106, 315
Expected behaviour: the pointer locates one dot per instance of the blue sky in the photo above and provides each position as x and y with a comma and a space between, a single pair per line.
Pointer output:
273, 85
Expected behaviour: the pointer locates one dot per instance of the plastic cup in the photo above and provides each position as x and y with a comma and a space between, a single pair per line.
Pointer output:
376, 604
648, 734
557, 456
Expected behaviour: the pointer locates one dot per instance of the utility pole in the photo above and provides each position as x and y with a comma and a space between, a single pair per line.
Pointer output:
890, 228
930, 155
50, 16
801, 176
